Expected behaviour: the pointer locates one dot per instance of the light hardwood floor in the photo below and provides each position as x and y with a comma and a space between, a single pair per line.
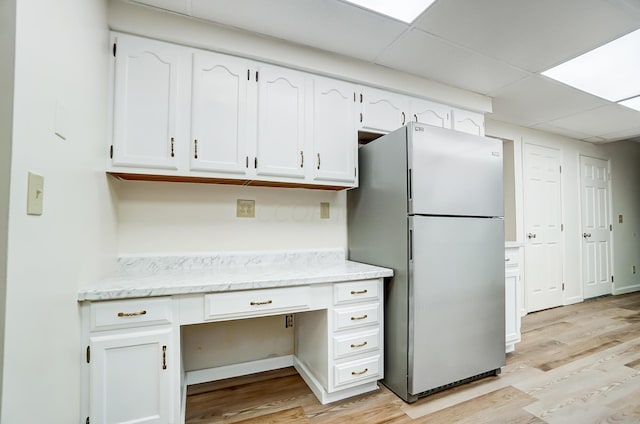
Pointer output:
575, 364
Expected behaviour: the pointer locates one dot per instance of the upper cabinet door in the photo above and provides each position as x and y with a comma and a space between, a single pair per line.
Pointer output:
469, 122
145, 103
219, 114
430, 113
334, 131
382, 111
280, 135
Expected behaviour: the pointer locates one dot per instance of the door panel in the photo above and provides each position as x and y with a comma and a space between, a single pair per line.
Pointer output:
596, 220
543, 257
457, 312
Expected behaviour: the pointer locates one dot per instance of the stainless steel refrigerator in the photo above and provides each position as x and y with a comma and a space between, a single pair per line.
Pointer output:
430, 206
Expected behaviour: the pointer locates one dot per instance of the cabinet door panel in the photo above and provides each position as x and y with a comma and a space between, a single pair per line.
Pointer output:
430, 113
383, 111
219, 113
469, 122
128, 380
145, 103
334, 131
280, 145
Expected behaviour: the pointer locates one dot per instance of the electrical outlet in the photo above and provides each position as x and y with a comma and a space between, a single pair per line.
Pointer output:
288, 321
246, 208
35, 193
324, 210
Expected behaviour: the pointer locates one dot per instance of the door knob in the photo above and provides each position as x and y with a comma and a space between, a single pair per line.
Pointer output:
586, 235
531, 235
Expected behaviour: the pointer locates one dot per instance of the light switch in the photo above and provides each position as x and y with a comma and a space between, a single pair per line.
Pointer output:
324, 210
35, 194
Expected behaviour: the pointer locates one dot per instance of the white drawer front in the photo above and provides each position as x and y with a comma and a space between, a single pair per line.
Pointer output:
511, 258
362, 369
114, 314
355, 343
255, 302
353, 317
356, 291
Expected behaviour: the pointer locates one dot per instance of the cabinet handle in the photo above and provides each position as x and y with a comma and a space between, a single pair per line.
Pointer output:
195, 150
164, 357
415, 117
507, 260
255, 162
301, 159
359, 373
132, 314
172, 153
246, 162
404, 117
266, 302
359, 345
359, 318
359, 291
318, 160
361, 118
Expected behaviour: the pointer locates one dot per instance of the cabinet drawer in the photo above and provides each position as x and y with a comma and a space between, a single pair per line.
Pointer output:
353, 317
356, 291
130, 313
362, 369
511, 258
355, 343
255, 302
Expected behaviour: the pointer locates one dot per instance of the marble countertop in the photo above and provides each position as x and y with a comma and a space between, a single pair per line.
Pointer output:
147, 276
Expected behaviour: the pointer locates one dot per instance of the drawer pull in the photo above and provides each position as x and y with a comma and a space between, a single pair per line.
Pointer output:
359, 373
359, 345
358, 291
266, 302
359, 318
132, 314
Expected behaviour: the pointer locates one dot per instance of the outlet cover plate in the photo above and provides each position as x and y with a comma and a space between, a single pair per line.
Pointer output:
35, 193
245, 208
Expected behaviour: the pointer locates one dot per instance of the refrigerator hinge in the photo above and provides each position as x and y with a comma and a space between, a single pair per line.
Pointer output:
612, 279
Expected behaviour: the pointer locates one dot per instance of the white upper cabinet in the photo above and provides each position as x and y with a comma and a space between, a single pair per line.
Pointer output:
145, 132
430, 113
382, 111
219, 118
334, 136
469, 122
280, 133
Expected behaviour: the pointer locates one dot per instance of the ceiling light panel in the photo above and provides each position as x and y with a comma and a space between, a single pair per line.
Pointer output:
403, 10
611, 71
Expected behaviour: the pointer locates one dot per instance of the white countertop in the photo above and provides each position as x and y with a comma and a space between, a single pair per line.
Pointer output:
146, 276
508, 244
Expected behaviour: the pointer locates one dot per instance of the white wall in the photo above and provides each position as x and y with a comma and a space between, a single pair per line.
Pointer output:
7, 51
570, 180
61, 56
625, 175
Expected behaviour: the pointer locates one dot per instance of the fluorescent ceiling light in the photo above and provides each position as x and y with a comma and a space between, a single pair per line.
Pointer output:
403, 10
611, 71
633, 103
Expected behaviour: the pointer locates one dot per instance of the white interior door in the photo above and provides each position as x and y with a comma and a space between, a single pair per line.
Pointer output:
596, 221
543, 257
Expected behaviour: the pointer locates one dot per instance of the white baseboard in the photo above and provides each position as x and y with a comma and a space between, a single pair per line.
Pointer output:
572, 300
236, 370
628, 289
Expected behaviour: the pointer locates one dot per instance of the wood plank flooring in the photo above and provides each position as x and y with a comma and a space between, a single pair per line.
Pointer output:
575, 364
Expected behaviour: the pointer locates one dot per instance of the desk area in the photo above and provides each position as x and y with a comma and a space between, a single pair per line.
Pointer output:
133, 369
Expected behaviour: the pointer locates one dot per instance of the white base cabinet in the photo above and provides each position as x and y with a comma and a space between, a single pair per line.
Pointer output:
512, 296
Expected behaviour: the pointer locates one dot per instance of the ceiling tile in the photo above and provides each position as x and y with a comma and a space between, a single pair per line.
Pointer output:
562, 131
533, 35
537, 99
330, 25
422, 54
611, 122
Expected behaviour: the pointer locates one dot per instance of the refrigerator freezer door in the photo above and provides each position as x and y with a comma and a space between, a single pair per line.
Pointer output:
457, 321
453, 173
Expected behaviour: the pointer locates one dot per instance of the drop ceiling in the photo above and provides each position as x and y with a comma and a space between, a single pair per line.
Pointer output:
497, 48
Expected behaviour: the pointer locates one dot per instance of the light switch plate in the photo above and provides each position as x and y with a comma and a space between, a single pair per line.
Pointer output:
324, 210
35, 194
246, 208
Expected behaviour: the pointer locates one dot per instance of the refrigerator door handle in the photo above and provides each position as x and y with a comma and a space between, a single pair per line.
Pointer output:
409, 184
410, 245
